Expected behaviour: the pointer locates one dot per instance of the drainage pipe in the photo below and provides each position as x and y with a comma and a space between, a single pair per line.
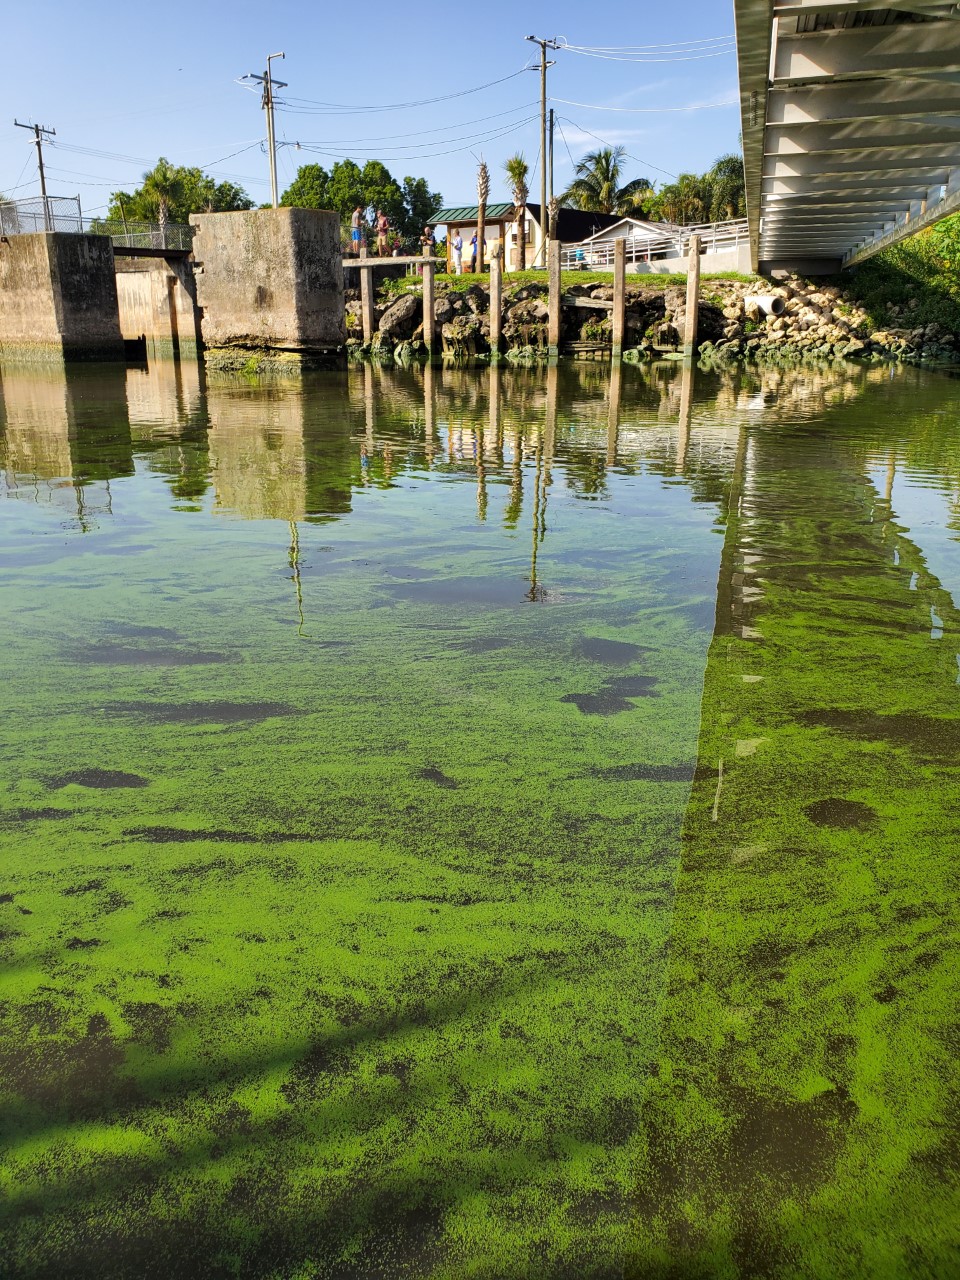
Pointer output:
768, 304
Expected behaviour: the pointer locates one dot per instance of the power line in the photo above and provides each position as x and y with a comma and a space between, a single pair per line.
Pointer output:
670, 44
341, 108
545, 43
345, 155
474, 139
40, 132
696, 106
636, 159
419, 133
644, 60
267, 101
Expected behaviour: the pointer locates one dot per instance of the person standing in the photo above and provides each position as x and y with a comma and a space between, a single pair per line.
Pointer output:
383, 228
457, 254
473, 254
356, 224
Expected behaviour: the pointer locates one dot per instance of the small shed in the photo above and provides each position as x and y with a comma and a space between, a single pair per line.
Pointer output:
463, 218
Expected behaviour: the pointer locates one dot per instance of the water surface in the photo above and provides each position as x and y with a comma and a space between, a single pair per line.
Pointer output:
491, 824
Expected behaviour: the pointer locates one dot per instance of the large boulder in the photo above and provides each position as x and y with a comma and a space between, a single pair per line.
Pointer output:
443, 310
401, 317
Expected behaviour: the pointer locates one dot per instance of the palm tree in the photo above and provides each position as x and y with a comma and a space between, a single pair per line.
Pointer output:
483, 192
685, 201
162, 187
727, 188
596, 186
517, 170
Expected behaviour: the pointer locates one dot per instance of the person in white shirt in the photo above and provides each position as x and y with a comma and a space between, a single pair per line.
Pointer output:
457, 254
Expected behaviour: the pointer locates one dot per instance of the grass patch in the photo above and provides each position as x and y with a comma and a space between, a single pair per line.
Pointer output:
460, 284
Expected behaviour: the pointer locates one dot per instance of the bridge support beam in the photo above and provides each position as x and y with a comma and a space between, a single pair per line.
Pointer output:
270, 287
58, 299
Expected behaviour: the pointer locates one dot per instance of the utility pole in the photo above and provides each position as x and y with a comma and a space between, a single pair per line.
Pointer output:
269, 84
550, 173
39, 132
545, 44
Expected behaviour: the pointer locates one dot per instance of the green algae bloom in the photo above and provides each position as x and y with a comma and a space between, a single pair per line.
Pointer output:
491, 825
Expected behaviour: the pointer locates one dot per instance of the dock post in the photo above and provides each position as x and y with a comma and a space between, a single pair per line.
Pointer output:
613, 411
366, 302
693, 298
619, 295
553, 302
686, 409
496, 306
429, 314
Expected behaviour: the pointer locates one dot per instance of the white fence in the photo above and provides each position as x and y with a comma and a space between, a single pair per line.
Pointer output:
715, 237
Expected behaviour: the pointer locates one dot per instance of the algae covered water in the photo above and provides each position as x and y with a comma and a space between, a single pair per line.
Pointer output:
480, 824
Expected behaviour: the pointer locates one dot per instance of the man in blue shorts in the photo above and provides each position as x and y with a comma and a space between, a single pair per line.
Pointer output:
356, 229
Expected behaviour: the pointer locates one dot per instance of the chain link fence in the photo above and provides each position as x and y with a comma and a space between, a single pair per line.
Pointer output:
63, 213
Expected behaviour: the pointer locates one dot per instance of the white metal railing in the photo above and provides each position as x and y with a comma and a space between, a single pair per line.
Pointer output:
715, 237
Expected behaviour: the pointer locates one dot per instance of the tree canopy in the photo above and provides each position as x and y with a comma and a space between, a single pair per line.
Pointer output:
409, 205
597, 185
170, 193
703, 197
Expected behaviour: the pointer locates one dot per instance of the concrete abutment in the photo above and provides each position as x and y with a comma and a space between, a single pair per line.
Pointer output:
58, 299
270, 287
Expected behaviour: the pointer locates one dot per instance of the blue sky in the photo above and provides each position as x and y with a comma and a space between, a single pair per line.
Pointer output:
111, 87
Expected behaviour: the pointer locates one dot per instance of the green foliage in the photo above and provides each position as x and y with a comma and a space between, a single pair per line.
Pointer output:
728, 198
409, 205
703, 197
309, 189
518, 172
420, 203
919, 274
170, 193
597, 188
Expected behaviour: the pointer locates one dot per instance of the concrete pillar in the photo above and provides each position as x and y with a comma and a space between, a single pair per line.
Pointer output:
619, 295
693, 299
58, 299
366, 303
553, 302
496, 305
270, 285
429, 318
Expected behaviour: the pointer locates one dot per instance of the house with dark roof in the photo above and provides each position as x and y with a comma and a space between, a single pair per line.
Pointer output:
502, 230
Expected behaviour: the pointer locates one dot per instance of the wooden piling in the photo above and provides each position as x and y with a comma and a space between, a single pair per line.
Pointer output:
366, 302
496, 305
693, 298
553, 302
619, 295
686, 409
613, 411
429, 319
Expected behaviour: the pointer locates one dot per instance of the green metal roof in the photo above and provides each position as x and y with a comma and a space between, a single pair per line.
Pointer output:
470, 212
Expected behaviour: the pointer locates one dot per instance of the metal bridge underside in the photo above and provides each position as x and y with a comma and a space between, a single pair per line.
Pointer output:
851, 125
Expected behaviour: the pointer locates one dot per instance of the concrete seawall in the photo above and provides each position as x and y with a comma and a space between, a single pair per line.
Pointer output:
59, 298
